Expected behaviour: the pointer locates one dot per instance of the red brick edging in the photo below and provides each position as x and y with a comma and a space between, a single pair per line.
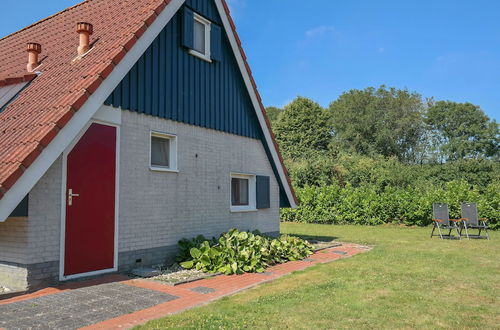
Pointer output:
221, 285
224, 285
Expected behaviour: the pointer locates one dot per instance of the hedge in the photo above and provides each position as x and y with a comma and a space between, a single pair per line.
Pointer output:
372, 205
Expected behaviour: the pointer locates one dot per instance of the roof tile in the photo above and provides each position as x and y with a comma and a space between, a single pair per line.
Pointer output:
33, 119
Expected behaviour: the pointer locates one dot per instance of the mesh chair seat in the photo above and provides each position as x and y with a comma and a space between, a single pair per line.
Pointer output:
472, 221
441, 220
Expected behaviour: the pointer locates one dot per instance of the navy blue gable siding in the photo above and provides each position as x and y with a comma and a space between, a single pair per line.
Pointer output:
170, 83
205, 8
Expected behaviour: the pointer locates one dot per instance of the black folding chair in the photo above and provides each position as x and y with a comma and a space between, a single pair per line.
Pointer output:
471, 220
442, 222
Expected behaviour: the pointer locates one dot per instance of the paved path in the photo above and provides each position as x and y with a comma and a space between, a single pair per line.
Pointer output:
118, 302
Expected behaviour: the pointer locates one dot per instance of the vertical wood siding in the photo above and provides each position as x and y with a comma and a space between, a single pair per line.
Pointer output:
170, 83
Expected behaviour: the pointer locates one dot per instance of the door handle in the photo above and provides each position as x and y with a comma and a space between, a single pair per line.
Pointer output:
70, 196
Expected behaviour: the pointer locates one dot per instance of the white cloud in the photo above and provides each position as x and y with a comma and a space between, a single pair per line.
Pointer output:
321, 31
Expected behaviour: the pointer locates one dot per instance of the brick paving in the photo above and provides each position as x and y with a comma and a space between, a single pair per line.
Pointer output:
118, 302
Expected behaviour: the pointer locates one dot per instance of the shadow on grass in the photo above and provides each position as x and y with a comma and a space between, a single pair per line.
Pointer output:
316, 238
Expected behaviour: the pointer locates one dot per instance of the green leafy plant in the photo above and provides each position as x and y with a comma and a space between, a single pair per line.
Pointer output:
185, 246
237, 252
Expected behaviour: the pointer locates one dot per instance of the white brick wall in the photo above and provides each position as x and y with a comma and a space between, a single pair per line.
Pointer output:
36, 238
159, 208
14, 240
156, 208
45, 216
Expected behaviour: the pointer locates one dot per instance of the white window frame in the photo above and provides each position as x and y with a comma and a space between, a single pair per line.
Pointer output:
252, 192
172, 152
208, 29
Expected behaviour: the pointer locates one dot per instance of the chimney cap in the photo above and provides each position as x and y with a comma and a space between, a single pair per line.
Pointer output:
84, 27
34, 47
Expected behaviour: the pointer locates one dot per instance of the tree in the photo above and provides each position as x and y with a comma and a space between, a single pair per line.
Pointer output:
302, 129
381, 121
463, 131
273, 113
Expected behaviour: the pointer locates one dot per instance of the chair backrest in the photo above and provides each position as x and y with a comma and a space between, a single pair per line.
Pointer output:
440, 212
469, 212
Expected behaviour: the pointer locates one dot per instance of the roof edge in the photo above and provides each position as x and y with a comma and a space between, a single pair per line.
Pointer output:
85, 105
259, 106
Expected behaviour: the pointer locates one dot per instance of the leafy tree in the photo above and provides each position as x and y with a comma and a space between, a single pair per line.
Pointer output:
385, 121
463, 131
302, 129
273, 113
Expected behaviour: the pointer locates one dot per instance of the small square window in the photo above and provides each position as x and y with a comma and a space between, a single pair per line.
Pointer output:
243, 192
201, 38
239, 191
163, 152
160, 152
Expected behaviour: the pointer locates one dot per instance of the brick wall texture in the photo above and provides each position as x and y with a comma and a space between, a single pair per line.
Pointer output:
156, 209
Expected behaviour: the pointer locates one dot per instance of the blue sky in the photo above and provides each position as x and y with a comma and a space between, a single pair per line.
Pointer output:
446, 49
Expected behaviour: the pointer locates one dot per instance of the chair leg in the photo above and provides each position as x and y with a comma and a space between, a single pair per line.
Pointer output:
486, 231
458, 232
439, 230
466, 230
433, 228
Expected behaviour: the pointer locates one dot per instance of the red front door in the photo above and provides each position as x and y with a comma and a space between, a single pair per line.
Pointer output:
90, 202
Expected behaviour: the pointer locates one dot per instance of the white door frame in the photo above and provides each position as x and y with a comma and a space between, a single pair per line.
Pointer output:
65, 154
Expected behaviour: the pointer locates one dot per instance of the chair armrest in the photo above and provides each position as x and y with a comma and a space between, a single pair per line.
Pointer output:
484, 219
465, 219
437, 220
457, 220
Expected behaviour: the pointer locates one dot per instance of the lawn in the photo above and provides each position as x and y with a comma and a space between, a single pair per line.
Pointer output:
407, 281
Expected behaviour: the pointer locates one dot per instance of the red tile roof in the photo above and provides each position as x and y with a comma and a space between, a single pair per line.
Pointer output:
33, 119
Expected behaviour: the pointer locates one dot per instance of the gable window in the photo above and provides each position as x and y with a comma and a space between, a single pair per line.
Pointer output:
242, 192
201, 38
163, 152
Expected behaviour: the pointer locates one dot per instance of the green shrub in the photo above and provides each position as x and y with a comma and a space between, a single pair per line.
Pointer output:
237, 252
185, 246
371, 205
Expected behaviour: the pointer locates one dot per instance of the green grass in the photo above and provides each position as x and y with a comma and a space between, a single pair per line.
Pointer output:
407, 281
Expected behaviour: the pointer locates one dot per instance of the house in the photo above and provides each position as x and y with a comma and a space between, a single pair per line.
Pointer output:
138, 128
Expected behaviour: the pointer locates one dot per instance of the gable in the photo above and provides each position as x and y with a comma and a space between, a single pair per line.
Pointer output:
37, 126
170, 83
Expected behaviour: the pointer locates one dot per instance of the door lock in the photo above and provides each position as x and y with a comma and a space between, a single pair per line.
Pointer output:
70, 196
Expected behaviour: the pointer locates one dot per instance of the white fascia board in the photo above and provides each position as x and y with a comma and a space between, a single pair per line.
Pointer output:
49, 155
256, 104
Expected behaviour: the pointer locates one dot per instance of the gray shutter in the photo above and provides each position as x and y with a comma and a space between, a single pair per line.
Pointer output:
263, 192
216, 43
188, 28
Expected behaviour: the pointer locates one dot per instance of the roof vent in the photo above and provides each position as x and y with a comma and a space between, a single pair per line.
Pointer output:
34, 50
84, 30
